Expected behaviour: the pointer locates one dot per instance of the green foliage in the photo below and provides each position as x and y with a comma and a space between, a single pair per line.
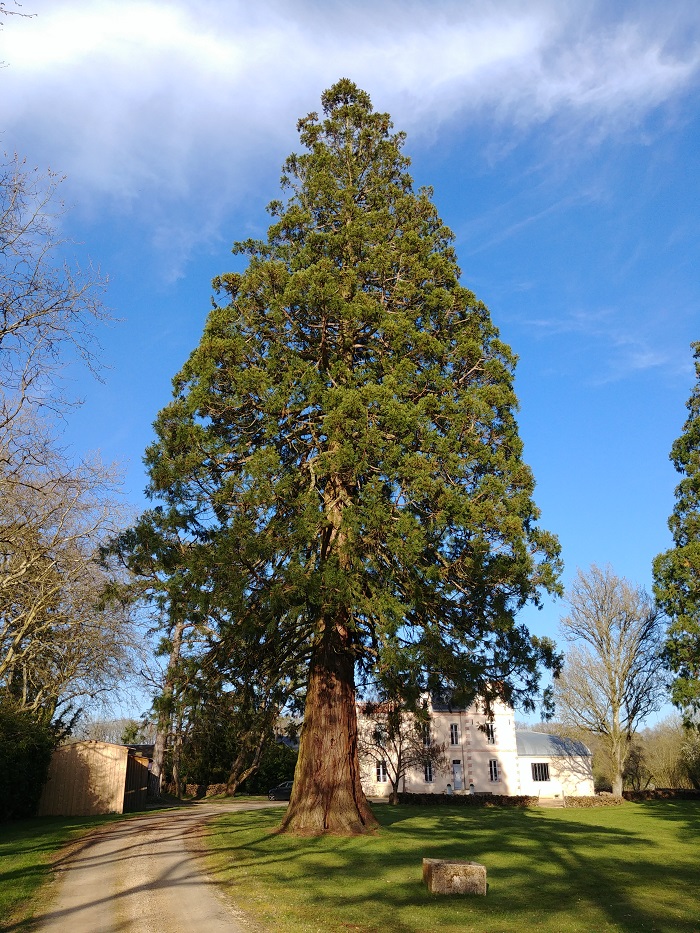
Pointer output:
468, 800
586, 803
342, 444
26, 746
677, 571
132, 733
207, 751
225, 683
227, 728
276, 765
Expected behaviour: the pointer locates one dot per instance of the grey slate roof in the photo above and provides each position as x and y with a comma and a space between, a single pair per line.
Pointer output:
549, 746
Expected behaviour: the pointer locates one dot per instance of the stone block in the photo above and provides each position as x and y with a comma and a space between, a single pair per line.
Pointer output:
454, 876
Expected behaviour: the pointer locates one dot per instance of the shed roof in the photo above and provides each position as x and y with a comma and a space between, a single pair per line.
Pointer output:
549, 746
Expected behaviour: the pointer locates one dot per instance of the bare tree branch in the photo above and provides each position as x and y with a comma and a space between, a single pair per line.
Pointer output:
612, 678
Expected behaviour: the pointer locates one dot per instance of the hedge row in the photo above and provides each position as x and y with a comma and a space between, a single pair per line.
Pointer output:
603, 800
197, 790
661, 793
468, 800
200, 791
502, 800
26, 747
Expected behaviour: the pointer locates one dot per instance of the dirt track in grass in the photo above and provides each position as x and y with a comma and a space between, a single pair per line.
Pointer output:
142, 876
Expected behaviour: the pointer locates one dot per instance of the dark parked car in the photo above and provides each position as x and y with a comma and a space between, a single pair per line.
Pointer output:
283, 791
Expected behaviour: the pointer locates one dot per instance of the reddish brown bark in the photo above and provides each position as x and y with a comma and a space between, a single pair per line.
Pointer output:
327, 796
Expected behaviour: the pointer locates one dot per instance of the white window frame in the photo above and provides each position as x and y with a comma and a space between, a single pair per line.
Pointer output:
428, 772
381, 772
490, 730
494, 771
454, 733
540, 771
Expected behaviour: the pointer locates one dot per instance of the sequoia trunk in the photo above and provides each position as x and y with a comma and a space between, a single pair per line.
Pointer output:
327, 796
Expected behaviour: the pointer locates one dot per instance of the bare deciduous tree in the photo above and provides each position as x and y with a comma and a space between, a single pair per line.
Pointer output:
59, 638
665, 755
612, 678
48, 309
400, 739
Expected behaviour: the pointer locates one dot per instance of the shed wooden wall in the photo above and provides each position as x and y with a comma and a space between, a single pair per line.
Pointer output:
136, 789
85, 779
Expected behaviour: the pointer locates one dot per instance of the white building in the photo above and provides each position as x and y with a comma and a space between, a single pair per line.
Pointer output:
488, 753
552, 766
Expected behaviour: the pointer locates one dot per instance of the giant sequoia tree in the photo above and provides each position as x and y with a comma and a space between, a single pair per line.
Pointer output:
677, 571
343, 444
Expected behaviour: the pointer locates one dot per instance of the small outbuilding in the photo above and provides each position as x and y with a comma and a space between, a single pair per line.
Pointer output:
553, 766
91, 778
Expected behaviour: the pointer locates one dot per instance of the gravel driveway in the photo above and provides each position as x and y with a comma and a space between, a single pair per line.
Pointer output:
139, 876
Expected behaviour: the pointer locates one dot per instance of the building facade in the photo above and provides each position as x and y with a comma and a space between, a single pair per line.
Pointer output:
552, 766
484, 754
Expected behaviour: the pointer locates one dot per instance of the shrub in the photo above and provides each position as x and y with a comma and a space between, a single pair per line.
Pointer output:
468, 800
276, 765
26, 747
603, 800
661, 793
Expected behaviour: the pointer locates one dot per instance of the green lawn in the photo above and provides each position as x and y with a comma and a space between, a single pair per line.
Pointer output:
632, 868
27, 851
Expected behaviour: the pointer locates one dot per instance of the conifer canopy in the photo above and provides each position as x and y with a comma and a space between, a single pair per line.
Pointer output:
677, 570
343, 445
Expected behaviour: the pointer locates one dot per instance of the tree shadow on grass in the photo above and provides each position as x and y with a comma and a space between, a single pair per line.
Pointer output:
684, 814
134, 860
545, 870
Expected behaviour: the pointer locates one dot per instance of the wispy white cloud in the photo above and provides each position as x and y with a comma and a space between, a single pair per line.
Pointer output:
617, 347
149, 101
494, 220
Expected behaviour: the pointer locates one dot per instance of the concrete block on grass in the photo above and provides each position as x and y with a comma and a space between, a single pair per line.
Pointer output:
454, 876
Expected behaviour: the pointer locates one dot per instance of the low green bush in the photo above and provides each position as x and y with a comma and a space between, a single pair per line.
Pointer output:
468, 800
662, 793
199, 791
602, 800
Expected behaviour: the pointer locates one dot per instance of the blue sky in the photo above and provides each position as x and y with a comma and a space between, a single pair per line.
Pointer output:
561, 139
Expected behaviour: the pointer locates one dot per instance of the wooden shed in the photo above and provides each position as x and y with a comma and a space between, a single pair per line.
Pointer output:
90, 778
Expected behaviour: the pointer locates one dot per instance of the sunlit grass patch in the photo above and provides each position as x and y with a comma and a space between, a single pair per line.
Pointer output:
27, 851
632, 868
